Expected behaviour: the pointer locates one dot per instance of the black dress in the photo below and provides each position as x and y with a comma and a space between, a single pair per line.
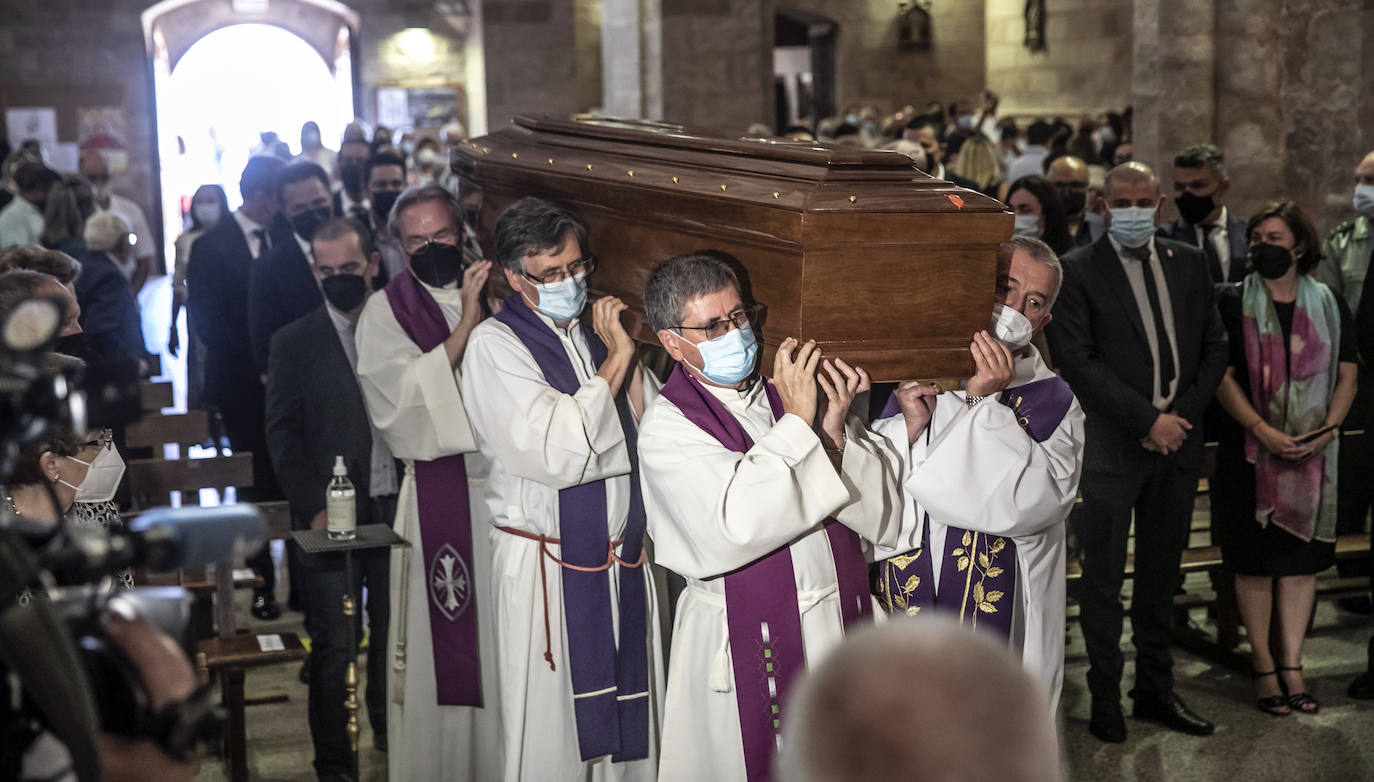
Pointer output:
1247, 548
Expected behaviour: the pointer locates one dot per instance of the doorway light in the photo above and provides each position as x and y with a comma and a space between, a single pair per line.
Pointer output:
249, 6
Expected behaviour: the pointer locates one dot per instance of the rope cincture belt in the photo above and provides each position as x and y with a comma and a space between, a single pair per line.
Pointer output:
544, 541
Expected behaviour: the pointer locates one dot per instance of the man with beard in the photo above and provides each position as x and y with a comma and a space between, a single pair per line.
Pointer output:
1200, 187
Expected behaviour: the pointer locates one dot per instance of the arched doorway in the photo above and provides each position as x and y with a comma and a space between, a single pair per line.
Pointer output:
222, 75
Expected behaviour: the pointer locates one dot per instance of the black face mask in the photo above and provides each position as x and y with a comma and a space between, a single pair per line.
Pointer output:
382, 202
344, 292
352, 176
305, 223
1074, 201
1194, 209
75, 345
1270, 260
437, 264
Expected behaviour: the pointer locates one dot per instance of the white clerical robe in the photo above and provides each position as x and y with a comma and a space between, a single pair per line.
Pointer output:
713, 510
539, 441
415, 403
982, 472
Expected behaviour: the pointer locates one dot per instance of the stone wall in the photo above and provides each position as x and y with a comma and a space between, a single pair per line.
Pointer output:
1085, 66
870, 69
530, 49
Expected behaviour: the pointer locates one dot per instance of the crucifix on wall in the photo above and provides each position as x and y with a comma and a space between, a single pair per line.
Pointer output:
1035, 25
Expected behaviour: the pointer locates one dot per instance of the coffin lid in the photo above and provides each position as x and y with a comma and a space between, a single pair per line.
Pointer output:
826, 176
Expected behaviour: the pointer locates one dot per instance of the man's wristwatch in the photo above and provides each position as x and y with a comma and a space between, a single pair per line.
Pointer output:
973, 399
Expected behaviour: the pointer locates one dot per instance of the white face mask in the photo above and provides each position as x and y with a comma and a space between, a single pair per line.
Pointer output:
207, 214
1010, 327
1027, 225
103, 474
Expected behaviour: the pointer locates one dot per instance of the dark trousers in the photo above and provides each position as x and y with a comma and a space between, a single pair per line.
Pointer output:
1354, 490
1161, 497
244, 425
329, 653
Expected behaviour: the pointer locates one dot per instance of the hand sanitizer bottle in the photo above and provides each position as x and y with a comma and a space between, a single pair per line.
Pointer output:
339, 504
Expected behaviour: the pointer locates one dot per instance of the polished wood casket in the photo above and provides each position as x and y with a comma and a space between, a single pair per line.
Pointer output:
879, 263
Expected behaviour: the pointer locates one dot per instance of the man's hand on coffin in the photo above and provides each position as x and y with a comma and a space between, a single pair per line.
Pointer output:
841, 383
917, 402
620, 349
474, 283
474, 287
794, 377
1167, 433
994, 367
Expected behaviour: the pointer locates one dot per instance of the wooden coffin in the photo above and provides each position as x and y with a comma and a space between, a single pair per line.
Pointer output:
880, 264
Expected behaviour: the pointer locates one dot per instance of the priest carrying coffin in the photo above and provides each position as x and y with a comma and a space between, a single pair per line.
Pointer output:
442, 719
990, 474
764, 513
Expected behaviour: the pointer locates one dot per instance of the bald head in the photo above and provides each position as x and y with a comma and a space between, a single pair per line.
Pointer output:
1133, 174
919, 699
1069, 170
1364, 172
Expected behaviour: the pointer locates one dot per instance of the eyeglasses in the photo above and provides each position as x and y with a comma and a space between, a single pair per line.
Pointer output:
579, 267
744, 316
412, 244
105, 441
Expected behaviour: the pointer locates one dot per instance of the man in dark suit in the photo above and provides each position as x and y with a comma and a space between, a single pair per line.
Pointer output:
217, 309
109, 313
282, 287
1069, 175
1200, 187
1137, 335
314, 413
929, 131
350, 200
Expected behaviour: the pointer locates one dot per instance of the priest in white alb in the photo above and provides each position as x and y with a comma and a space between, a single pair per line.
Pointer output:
443, 702
764, 503
554, 393
990, 475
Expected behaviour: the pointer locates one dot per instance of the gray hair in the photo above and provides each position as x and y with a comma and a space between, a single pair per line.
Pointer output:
419, 194
1041, 252
534, 225
1199, 155
846, 721
681, 278
105, 231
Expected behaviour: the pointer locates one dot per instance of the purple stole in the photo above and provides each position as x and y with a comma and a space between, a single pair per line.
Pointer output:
766, 646
610, 681
978, 577
441, 497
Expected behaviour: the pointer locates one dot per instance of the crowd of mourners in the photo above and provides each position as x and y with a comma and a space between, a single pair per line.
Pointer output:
624, 556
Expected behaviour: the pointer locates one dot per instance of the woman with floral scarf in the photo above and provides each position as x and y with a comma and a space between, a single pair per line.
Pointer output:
1290, 383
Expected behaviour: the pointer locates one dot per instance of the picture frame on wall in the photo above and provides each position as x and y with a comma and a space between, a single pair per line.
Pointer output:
419, 106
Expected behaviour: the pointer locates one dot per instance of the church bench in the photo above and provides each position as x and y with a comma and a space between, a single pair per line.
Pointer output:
183, 429
229, 658
155, 395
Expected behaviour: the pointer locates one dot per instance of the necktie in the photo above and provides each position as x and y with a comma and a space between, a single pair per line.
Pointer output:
1166, 355
263, 245
1209, 249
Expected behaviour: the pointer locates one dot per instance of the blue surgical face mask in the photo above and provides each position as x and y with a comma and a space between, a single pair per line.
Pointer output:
1096, 223
1364, 200
1027, 225
1133, 225
563, 300
729, 359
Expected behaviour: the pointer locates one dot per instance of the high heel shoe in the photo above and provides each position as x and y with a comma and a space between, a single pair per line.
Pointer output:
1274, 703
1301, 701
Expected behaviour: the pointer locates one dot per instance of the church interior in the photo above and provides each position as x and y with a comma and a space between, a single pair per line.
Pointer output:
151, 103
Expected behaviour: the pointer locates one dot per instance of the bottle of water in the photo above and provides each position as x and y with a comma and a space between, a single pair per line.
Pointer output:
340, 507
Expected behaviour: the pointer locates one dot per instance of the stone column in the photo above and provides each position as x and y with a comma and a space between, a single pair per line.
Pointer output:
698, 62
530, 50
1250, 45
1174, 61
